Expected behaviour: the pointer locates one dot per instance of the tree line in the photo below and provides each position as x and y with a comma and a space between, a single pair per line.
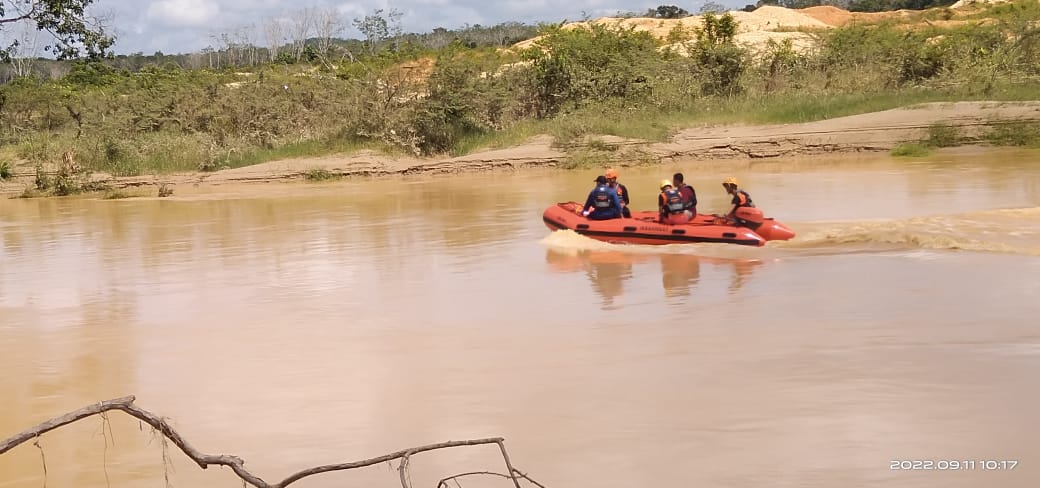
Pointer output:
309, 35
398, 93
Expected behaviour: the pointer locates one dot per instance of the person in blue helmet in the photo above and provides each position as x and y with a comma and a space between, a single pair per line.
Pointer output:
603, 202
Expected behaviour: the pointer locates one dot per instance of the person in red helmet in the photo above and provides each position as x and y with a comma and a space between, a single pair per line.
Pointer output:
621, 190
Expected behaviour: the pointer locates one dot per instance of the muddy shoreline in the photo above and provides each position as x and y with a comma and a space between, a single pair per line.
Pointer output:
865, 133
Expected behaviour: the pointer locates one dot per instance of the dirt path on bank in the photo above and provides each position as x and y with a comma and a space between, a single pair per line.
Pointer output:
872, 132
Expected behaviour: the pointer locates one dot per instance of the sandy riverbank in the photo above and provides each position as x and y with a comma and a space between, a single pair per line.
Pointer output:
872, 132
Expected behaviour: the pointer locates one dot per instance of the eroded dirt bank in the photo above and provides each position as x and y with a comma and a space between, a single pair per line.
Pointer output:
872, 132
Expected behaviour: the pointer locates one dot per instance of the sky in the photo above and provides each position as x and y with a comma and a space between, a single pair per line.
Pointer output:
183, 26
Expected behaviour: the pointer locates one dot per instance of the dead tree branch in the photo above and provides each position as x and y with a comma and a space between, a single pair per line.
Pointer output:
444, 482
126, 405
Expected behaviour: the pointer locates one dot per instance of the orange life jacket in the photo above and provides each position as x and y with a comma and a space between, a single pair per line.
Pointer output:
673, 202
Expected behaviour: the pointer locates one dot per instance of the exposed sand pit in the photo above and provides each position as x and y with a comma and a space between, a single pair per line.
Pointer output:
754, 29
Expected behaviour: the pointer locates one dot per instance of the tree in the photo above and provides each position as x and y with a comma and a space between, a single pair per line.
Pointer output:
23, 52
75, 32
328, 25
377, 28
712, 7
300, 30
669, 12
721, 61
273, 37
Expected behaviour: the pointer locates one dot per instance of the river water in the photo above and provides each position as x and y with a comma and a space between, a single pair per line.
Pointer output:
302, 324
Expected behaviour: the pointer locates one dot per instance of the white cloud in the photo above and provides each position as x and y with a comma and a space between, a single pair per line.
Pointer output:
351, 9
183, 13
181, 26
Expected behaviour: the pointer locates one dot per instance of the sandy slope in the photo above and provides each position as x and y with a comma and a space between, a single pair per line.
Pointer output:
879, 131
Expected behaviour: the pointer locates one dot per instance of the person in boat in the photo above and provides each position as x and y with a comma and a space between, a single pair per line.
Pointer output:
603, 202
689, 195
741, 198
621, 190
671, 206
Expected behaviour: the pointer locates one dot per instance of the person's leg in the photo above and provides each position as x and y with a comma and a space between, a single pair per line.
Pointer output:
678, 218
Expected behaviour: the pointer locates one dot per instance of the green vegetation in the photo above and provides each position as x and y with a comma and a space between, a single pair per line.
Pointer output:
320, 174
998, 133
439, 94
73, 34
911, 150
942, 135
1024, 134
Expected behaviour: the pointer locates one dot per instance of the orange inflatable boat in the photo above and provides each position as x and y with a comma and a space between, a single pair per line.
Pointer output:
645, 228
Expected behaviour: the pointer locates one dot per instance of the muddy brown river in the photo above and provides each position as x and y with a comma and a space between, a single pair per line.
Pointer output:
302, 324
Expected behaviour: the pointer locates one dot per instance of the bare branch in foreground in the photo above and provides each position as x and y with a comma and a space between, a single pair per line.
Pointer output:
444, 482
126, 404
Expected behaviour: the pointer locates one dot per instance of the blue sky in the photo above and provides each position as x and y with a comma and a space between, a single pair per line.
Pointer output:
180, 26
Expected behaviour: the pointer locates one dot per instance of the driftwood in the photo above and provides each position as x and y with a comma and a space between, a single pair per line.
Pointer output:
444, 482
126, 404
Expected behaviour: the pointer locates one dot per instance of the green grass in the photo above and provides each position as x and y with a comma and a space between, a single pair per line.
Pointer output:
911, 150
163, 152
942, 135
1014, 10
319, 174
1014, 133
512, 136
652, 125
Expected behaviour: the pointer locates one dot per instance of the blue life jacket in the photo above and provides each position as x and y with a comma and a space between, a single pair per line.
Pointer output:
673, 202
601, 197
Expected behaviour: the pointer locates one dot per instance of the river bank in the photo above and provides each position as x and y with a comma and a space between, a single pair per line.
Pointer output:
872, 132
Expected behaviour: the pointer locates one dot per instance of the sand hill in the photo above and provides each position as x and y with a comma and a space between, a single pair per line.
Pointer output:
767, 23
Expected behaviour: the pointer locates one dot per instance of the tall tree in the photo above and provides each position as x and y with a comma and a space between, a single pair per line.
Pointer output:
273, 36
376, 28
327, 25
302, 22
23, 52
74, 32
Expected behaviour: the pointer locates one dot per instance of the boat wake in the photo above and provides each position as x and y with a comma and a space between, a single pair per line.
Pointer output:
1006, 231
570, 242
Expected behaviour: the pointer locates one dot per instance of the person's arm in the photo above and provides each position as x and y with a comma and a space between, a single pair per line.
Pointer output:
588, 203
687, 196
736, 205
625, 195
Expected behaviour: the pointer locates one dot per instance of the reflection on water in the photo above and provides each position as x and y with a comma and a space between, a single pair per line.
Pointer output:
607, 271
313, 324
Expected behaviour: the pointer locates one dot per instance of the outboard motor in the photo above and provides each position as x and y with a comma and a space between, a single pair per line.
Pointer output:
750, 217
